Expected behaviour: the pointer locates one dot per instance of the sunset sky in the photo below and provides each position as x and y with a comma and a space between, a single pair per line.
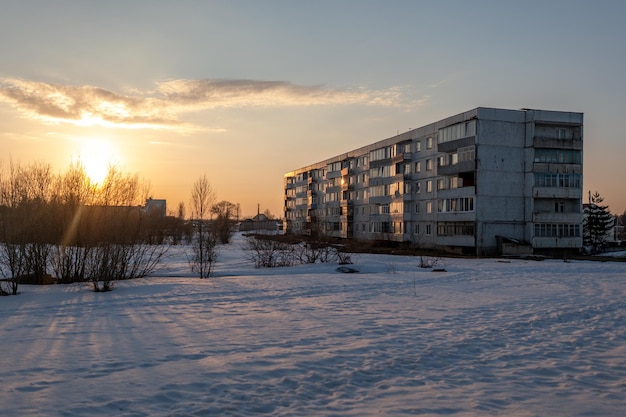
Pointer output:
246, 91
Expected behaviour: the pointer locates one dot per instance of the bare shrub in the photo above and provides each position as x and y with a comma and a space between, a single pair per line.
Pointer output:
429, 261
269, 253
344, 258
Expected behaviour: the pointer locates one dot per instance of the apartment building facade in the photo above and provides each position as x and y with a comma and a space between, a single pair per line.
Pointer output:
460, 184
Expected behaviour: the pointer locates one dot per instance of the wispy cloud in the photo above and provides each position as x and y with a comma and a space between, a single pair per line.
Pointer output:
163, 107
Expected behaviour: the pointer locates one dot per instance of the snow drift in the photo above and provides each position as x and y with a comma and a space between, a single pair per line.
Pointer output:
485, 337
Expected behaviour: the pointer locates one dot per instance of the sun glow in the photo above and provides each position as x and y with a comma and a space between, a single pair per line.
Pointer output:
96, 156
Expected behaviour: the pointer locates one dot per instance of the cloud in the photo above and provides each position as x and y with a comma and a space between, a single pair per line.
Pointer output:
85, 105
163, 107
250, 93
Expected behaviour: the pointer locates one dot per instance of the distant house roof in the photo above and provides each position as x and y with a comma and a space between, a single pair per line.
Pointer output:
258, 222
257, 218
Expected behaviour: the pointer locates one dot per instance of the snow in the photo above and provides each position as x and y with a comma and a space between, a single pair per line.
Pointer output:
484, 337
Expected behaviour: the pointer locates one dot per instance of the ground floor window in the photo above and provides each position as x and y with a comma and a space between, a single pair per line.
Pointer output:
557, 230
386, 227
455, 229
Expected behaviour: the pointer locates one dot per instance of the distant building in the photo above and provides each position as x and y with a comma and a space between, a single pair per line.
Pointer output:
462, 184
260, 222
157, 207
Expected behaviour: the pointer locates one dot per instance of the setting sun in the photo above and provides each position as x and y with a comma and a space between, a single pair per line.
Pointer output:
97, 156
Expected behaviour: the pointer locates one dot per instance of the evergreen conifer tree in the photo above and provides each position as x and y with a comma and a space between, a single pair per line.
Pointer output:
597, 223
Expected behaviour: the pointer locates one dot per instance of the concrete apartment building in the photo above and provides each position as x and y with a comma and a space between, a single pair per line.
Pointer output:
465, 184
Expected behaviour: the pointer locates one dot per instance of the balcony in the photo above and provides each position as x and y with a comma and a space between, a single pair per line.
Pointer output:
557, 192
468, 191
463, 166
456, 216
551, 142
333, 174
557, 242
404, 156
557, 167
455, 144
552, 217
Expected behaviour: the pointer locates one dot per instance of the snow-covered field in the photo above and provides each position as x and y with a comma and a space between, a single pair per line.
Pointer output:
485, 337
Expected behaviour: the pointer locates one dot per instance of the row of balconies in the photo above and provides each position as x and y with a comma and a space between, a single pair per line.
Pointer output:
552, 142
557, 192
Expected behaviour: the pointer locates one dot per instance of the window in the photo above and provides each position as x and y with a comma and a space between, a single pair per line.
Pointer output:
429, 186
418, 146
335, 166
418, 187
455, 182
429, 207
418, 166
381, 172
461, 204
379, 190
429, 165
429, 143
404, 168
466, 153
455, 229
457, 131
557, 230
382, 227
556, 180
428, 231
382, 153
559, 207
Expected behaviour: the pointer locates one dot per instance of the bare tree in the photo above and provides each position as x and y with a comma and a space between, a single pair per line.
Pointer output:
25, 229
225, 214
73, 192
181, 210
120, 232
204, 242
66, 225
